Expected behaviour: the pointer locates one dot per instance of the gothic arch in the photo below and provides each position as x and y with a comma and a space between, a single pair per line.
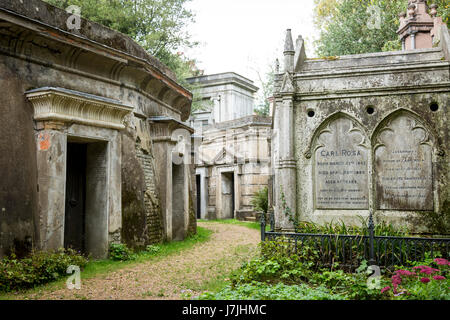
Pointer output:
402, 154
340, 150
384, 123
357, 125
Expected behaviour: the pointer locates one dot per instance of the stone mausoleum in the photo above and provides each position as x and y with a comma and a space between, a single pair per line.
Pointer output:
366, 133
232, 147
87, 143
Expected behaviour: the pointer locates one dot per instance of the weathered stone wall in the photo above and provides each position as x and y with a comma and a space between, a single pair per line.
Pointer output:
239, 147
18, 170
96, 61
364, 133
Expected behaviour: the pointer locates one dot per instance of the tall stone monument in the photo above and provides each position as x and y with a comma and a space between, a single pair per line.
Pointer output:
366, 133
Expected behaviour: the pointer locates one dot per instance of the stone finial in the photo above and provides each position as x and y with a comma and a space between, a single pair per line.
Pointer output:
411, 10
433, 10
277, 66
418, 29
289, 52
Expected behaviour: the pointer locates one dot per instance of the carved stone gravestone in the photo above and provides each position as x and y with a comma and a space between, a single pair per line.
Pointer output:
403, 165
341, 166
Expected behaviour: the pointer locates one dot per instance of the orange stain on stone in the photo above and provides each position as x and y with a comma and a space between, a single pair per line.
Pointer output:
44, 141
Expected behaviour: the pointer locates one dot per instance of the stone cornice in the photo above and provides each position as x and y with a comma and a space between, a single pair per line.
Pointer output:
370, 70
59, 104
370, 92
173, 123
120, 53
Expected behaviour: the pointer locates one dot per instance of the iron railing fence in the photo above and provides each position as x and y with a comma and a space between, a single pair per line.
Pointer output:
348, 251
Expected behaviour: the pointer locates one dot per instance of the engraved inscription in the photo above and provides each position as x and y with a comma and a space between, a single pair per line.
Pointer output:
340, 167
403, 166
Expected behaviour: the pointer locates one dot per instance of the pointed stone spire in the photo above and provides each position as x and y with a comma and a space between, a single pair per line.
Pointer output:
289, 52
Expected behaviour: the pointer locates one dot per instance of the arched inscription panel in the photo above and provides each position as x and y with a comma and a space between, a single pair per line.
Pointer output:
341, 166
403, 165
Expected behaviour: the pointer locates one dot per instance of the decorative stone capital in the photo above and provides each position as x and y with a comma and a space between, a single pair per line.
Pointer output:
63, 105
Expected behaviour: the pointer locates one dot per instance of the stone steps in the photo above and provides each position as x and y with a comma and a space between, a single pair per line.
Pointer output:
250, 219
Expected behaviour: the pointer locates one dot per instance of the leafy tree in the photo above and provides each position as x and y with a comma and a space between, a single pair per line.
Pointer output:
345, 30
265, 92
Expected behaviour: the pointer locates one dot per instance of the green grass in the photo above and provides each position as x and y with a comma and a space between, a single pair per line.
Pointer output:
102, 267
248, 224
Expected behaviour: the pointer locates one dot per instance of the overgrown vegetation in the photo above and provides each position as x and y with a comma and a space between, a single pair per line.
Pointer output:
382, 228
278, 273
426, 280
280, 291
120, 252
260, 200
351, 26
37, 269
50, 268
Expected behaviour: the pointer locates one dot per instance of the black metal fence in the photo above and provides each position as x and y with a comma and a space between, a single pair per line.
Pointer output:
348, 251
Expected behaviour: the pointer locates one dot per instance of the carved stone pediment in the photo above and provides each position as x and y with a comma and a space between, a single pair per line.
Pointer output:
63, 105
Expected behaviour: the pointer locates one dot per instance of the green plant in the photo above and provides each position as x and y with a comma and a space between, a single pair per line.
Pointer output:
287, 210
260, 200
120, 252
153, 249
36, 269
263, 291
427, 280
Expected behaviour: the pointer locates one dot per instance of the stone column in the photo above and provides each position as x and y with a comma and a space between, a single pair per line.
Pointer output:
413, 40
163, 146
51, 161
203, 191
286, 165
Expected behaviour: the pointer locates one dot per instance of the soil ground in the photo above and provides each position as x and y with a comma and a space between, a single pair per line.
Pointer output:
187, 273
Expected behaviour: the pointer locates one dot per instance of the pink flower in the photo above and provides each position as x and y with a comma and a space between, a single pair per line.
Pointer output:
396, 280
425, 280
438, 277
385, 289
426, 269
405, 273
441, 262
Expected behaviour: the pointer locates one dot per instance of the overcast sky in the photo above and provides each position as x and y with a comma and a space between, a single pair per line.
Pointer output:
247, 35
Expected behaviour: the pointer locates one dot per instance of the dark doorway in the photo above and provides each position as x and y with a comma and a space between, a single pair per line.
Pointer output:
199, 194
75, 209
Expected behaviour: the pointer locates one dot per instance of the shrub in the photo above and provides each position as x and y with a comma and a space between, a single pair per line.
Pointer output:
277, 263
263, 291
120, 252
352, 285
260, 200
36, 269
153, 249
381, 229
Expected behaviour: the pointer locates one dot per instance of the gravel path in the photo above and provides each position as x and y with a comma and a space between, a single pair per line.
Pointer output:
187, 272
